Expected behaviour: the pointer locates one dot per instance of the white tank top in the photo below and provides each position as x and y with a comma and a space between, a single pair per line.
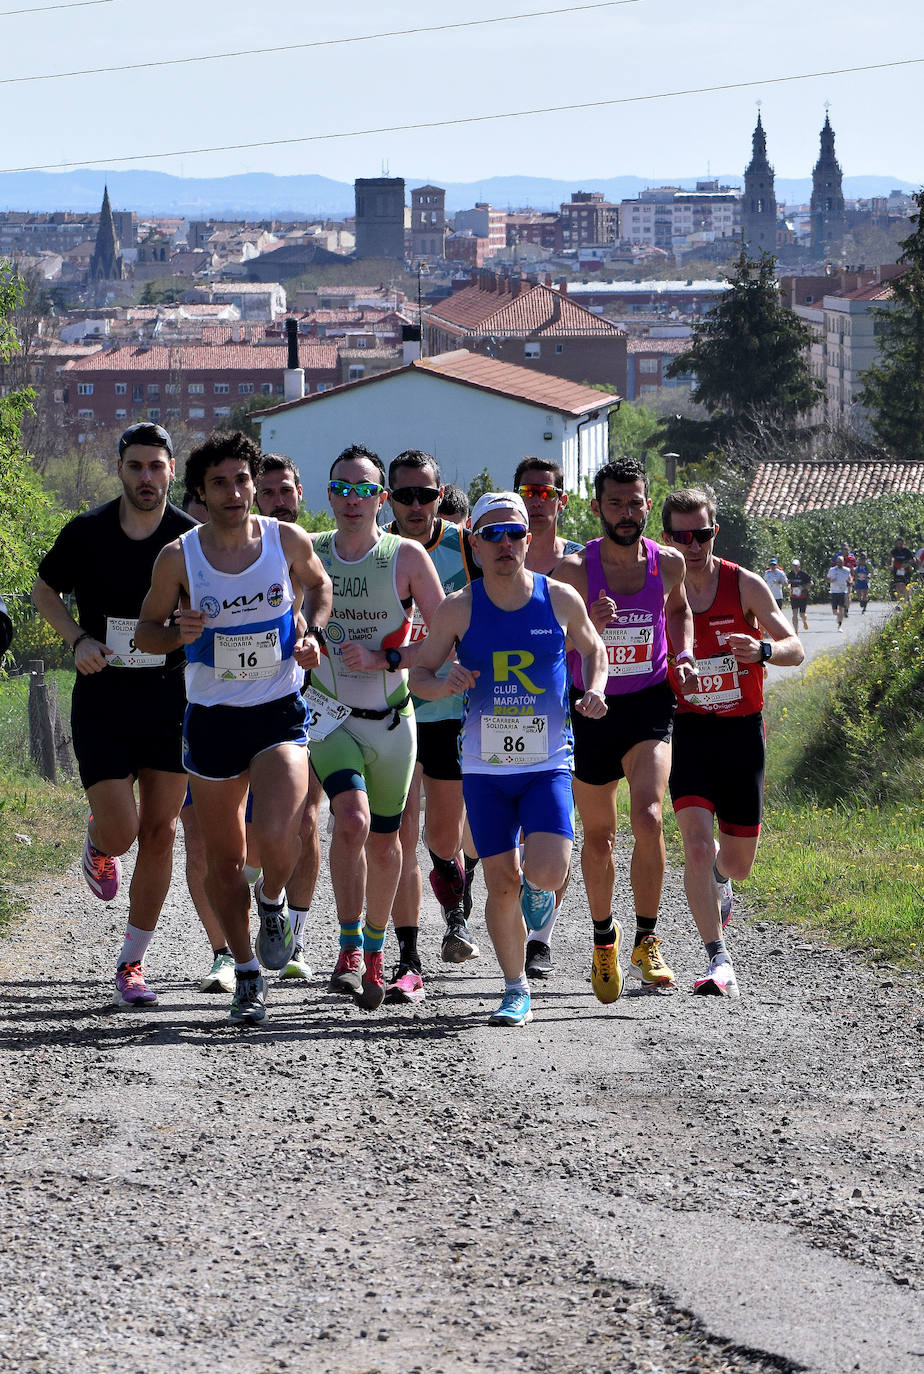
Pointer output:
244, 655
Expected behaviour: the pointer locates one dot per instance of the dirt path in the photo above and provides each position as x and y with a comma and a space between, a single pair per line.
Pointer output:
671, 1184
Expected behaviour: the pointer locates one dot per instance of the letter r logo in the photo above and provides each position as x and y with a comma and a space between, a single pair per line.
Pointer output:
513, 662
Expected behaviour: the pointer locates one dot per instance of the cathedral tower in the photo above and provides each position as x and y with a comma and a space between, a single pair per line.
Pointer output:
827, 209
758, 205
106, 262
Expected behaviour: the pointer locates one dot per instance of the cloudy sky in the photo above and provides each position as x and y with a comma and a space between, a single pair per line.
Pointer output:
589, 54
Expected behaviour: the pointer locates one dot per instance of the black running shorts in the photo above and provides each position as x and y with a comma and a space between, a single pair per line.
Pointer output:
127, 719
601, 745
438, 749
718, 764
221, 742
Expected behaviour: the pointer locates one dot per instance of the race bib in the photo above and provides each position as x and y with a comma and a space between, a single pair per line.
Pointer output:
628, 649
418, 628
120, 638
247, 657
517, 740
717, 682
324, 713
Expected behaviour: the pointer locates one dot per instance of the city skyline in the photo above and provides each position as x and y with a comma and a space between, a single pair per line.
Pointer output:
622, 52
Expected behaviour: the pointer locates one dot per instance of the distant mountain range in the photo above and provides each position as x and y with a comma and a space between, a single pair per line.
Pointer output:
258, 195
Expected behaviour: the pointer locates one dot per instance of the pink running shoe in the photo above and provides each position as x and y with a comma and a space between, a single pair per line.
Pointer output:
131, 989
347, 977
718, 980
406, 985
373, 990
103, 872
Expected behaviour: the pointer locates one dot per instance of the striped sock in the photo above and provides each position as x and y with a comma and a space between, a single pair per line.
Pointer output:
373, 938
351, 934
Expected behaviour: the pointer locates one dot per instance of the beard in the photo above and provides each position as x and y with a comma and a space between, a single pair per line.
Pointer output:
618, 537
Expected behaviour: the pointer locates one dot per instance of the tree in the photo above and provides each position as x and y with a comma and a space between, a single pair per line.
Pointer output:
893, 388
28, 521
749, 356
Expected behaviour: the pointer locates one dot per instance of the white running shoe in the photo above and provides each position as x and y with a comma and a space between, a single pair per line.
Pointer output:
719, 979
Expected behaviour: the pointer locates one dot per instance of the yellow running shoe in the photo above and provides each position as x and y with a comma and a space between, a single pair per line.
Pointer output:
647, 963
605, 973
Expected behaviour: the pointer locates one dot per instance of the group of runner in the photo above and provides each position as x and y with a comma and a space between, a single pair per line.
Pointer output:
500, 670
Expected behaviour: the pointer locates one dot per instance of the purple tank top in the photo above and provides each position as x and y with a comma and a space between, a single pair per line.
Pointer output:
636, 643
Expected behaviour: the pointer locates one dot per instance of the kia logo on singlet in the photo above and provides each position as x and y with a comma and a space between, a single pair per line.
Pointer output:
240, 603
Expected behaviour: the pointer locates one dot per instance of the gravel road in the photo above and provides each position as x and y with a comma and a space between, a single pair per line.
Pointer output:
669, 1184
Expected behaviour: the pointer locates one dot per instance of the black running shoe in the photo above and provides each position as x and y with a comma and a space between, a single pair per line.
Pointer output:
458, 945
538, 959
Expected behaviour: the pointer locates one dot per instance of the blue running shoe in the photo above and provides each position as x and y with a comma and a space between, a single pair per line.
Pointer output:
513, 1011
536, 907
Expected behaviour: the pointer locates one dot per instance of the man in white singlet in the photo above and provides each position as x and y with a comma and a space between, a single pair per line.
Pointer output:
238, 578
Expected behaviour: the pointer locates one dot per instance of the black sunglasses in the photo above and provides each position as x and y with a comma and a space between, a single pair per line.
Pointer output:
406, 496
687, 536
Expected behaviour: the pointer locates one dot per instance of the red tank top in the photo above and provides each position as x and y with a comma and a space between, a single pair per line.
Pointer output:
725, 687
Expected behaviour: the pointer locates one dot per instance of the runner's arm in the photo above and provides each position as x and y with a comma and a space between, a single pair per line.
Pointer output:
678, 618
89, 654
449, 624
316, 592
154, 634
758, 601
571, 612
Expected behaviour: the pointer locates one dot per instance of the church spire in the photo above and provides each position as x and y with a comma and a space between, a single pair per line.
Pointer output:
828, 222
758, 204
106, 262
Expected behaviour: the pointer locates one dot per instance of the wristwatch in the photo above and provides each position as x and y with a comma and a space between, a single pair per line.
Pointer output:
684, 657
318, 634
766, 650
392, 659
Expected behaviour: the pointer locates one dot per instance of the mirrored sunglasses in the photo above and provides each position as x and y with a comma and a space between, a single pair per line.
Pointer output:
363, 489
536, 492
493, 534
406, 496
687, 536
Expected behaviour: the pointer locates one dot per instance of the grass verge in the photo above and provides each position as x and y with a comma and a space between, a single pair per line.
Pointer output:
41, 824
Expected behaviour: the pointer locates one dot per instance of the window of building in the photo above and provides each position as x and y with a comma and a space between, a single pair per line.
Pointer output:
85, 415
197, 388
196, 413
173, 389
154, 388
531, 350
173, 412
647, 364
153, 412
559, 348
121, 388
648, 390
266, 388
222, 388
121, 414
357, 370
84, 388
220, 412
245, 388
137, 393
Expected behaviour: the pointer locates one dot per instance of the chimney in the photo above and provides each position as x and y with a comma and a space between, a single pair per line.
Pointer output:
563, 287
293, 379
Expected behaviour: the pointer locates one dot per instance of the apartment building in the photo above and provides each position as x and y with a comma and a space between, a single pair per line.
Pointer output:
674, 220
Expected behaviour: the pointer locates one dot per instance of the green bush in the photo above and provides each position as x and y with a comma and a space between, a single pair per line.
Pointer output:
34, 638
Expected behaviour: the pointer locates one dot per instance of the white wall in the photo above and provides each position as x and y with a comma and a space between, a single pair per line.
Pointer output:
465, 429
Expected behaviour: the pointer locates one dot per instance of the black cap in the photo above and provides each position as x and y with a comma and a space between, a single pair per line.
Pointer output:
154, 436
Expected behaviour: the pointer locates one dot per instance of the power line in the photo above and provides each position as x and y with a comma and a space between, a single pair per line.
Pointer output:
43, 9
301, 47
469, 119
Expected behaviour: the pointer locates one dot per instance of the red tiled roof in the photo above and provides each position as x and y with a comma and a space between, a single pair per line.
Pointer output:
204, 357
781, 489
486, 374
537, 310
879, 291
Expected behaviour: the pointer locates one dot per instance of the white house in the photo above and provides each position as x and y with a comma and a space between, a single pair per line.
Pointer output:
469, 411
